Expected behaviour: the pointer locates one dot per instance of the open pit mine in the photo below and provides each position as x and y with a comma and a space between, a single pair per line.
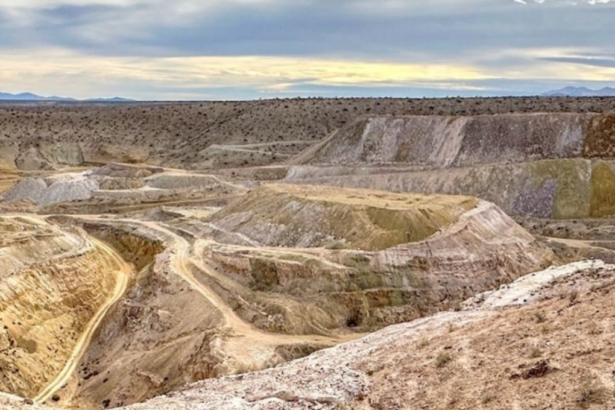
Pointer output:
308, 254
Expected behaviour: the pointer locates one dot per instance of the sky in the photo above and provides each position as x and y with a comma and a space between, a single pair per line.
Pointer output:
252, 49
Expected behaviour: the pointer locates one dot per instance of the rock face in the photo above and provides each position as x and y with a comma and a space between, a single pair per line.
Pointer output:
170, 329
369, 258
276, 275
310, 216
143, 280
119, 184
49, 191
220, 134
443, 142
52, 283
159, 337
490, 355
539, 165
562, 189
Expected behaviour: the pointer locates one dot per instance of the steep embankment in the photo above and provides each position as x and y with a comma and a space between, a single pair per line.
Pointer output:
170, 329
217, 134
116, 188
541, 165
443, 142
217, 295
366, 258
53, 189
478, 359
56, 285
124, 275
542, 342
311, 216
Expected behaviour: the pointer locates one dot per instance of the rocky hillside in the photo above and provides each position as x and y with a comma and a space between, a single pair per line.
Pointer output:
454, 142
541, 342
367, 258
539, 165
250, 248
317, 216
286, 270
220, 134
46, 308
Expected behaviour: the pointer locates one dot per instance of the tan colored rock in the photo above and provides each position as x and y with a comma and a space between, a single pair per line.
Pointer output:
52, 283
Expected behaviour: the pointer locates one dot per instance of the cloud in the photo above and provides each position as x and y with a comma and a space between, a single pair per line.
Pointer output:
81, 47
268, 73
57, 71
593, 61
565, 2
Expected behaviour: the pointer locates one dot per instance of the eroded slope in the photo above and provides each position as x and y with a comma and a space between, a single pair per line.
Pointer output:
54, 286
545, 341
311, 216
217, 134
539, 165
170, 329
286, 270
363, 258
277, 274
442, 142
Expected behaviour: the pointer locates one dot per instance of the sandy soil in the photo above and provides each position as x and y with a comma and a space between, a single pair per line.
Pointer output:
181, 134
170, 265
124, 272
7, 180
529, 345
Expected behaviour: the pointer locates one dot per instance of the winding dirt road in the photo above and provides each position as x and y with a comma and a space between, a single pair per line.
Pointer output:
124, 272
243, 340
182, 262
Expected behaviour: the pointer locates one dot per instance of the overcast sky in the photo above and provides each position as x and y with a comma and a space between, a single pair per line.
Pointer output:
245, 49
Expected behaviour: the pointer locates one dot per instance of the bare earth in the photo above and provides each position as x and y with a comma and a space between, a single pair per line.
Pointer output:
308, 254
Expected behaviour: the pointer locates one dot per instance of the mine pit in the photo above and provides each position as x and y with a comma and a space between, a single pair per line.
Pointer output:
375, 253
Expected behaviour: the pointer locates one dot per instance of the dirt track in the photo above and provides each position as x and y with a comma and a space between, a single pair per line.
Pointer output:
7, 181
125, 272
182, 260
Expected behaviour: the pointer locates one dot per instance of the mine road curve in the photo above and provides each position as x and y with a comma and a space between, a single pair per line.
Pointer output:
124, 272
181, 261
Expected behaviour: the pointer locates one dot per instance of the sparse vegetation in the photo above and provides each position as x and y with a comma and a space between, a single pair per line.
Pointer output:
488, 397
245, 274
535, 353
442, 360
183, 131
423, 343
589, 395
540, 317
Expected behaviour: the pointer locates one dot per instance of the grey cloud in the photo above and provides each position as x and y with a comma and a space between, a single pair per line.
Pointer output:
484, 88
319, 27
309, 30
490, 34
567, 2
594, 62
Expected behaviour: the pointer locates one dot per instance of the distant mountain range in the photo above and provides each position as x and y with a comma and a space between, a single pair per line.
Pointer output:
581, 92
34, 97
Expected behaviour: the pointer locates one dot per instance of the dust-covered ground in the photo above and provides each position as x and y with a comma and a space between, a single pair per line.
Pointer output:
307, 254
218, 134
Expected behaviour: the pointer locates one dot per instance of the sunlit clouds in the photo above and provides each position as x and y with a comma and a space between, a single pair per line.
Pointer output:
261, 48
